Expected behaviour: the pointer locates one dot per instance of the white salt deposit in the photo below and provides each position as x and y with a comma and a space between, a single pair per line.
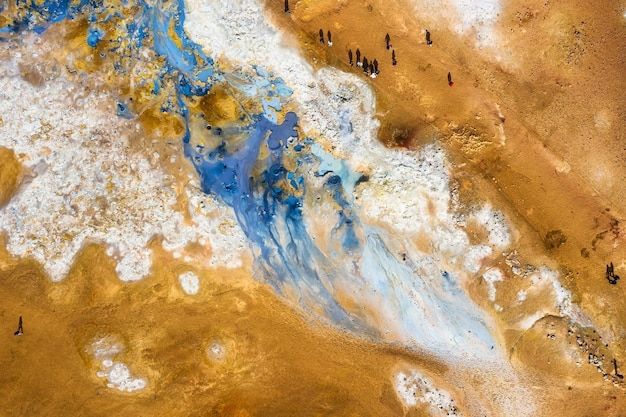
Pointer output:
464, 17
338, 109
106, 346
495, 224
474, 256
528, 321
413, 388
86, 185
189, 282
118, 375
216, 352
547, 279
478, 16
407, 191
120, 378
491, 276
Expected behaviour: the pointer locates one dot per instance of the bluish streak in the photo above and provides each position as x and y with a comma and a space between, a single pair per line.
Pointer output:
269, 212
427, 311
267, 192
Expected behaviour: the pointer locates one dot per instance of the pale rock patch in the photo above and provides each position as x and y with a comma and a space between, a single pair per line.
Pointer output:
86, 185
413, 388
189, 282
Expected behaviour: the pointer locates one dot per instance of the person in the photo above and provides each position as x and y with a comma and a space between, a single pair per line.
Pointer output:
330, 41
450, 83
375, 63
365, 65
287, 7
387, 40
20, 329
393, 58
610, 274
350, 57
321, 36
428, 41
358, 58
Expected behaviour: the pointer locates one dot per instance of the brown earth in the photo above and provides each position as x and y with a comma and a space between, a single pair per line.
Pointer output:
538, 131
276, 362
10, 171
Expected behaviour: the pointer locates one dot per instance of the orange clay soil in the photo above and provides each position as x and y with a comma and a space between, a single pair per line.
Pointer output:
276, 363
541, 133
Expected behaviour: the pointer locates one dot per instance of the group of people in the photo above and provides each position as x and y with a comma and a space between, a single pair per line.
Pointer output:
329, 35
393, 51
370, 67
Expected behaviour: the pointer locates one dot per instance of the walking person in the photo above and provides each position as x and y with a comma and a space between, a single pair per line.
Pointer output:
20, 329
371, 71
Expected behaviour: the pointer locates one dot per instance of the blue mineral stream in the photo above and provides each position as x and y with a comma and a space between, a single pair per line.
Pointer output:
259, 168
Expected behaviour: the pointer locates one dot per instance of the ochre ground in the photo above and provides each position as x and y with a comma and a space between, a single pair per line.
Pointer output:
276, 364
557, 97
535, 125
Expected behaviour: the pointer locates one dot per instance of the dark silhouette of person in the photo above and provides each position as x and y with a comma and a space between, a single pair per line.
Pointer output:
20, 329
330, 41
393, 58
428, 41
358, 57
450, 82
350, 57
371, 69
365, 65
610, 274
387, 40
375, 63
617, 374
321, 36
287, 7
